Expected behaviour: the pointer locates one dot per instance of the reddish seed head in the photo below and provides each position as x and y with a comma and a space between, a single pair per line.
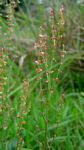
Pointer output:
37, 62
38, 70
41, 53
62, 8
52, 13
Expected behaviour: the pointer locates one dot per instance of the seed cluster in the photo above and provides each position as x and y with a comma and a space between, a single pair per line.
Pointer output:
51, 49
3, 77
10, 21
25, 107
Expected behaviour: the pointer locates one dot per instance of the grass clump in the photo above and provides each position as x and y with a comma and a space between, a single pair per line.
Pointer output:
42, 109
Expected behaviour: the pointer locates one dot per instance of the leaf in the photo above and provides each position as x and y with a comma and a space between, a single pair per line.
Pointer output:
11, 145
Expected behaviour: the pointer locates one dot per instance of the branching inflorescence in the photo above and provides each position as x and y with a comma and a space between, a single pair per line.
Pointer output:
50, 48
24, 109
50, 55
